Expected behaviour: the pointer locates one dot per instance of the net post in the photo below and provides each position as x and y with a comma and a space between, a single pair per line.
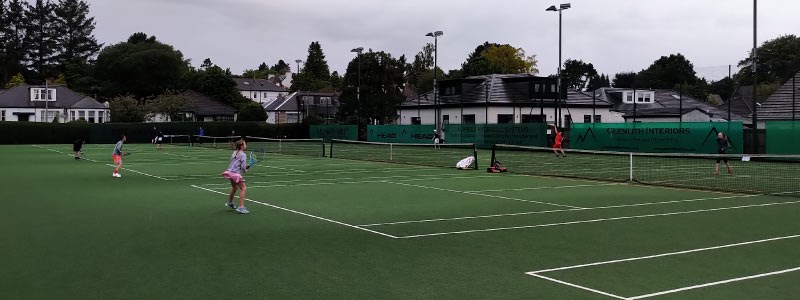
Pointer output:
330, 152
491, 161
280, 147
475, 153
323, 147
631, 167
391, 152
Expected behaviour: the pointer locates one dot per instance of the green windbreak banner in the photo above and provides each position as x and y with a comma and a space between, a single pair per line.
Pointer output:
529, 134
415, 134
339, 132
783, 137
655, 137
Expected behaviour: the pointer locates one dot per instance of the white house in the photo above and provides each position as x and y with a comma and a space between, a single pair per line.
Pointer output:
55, 103
508, 98
260, 90
200, 108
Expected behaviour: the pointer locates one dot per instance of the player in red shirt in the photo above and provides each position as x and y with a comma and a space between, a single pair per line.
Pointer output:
557, 143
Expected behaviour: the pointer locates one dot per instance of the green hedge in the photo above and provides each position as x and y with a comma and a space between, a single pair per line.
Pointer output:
42, 133
48, 133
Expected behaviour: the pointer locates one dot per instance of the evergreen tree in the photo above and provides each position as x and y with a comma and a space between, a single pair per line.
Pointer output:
12, 38
316, 75
75, 36
41, 34
280, 68
15, 81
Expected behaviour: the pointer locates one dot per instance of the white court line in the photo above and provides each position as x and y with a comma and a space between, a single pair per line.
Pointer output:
478, 194
558, 210
546, 188
260, 175
713, 283
302, 213
666, 254
538, 273
595, 220
354, 182
110, 165
179, 155
279, 168
579, 286
331, 179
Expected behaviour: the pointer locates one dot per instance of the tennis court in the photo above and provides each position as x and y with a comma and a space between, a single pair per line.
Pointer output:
366, 228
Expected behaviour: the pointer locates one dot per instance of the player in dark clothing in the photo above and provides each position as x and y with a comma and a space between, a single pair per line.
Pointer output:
722, 147
77, 146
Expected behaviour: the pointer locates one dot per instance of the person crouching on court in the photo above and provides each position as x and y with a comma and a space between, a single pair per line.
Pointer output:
722, 147
237, 167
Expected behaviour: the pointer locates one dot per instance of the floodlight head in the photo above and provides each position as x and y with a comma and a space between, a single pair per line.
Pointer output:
438, 33
358, 50
565, 6
552, 8
429, 34
298, 61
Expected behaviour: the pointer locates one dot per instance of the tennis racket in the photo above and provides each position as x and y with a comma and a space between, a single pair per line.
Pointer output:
251, 160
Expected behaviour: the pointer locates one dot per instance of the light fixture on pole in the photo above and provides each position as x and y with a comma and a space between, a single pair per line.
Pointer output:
435, 35
561, 7
358, 50
298, 65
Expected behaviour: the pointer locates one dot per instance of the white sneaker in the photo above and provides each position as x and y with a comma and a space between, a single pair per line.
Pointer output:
117, 175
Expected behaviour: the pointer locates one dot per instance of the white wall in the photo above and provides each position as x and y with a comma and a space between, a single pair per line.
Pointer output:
428, 115
258, 96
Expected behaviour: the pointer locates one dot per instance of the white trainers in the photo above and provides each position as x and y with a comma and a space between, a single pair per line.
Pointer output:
242, 210
117, 175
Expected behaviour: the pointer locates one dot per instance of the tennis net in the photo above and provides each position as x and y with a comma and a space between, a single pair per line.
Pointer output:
177, 140
750, 174
303, 147
215, 142
447, 155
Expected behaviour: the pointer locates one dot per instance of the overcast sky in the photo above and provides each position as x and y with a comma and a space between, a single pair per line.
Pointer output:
614, 35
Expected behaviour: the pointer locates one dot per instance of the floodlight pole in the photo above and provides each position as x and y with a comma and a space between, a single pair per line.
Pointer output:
560, 8
755, 77
437, 109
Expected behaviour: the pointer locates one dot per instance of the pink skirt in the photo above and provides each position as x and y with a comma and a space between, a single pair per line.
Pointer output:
233, 177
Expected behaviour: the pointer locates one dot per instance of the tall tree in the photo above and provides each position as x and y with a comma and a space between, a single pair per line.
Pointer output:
142, 66
215, 83
13, 44
476, 63
74, 33
624, 80
316, 74
382, 79
206, 64
15, 81
777, 60
723, 87
577, 74
127, 109
42, 36
280, 68
597, 82
667, 72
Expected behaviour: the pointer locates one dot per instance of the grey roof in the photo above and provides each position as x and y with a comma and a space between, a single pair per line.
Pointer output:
262, 85
294, 102
503, 89
20, 97
202, 105
666, 103
283, 103
88, 103
779, 105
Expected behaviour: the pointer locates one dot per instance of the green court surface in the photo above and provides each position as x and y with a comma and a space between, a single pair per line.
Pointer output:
323, 228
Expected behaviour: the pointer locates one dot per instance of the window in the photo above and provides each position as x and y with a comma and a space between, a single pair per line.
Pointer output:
265, 95
100, 116
469, 119
255, 95
641, 97
292, 118
445, 119
532, 118
51, 115
91, 116
416, 121
325, 100
223, 119
505, 119
308, 99
598, 119
72, 115
81, 115
39, 94
553, 88
587, 118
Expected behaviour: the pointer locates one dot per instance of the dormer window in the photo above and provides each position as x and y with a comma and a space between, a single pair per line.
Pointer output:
38, 94
642, 97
